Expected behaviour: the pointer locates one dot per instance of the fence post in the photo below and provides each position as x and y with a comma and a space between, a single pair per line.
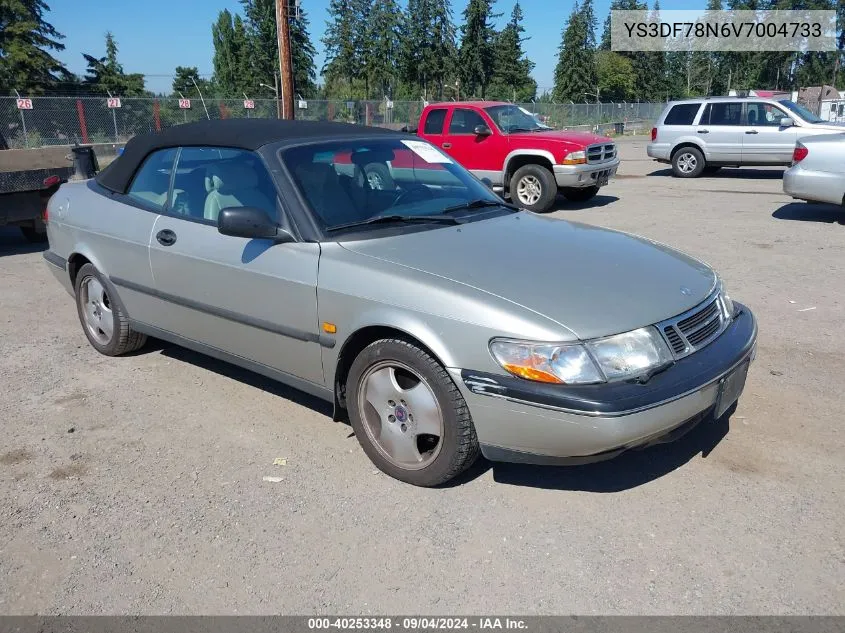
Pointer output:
156, 115
80, 111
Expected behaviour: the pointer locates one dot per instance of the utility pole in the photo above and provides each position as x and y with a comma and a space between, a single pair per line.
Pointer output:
285, 64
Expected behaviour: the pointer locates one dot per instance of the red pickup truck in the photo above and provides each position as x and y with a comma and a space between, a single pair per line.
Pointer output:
522, 158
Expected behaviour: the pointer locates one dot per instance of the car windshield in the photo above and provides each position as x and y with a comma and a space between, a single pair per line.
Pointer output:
511, 118
374, 183
801, 111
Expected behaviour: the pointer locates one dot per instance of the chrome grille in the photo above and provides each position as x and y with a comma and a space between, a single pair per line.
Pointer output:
696, 328
601, 153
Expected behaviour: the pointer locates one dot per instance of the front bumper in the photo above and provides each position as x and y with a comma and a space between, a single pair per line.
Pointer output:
818, 186
519, 420
584, 175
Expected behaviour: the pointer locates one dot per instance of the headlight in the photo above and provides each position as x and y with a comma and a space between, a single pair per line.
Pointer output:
630, 354
614, 358
568, 364
575, 158
726, 302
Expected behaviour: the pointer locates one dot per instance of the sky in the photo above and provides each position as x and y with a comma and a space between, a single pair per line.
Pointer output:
155, 36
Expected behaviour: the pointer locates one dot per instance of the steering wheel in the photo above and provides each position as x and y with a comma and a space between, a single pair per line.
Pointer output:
414, 192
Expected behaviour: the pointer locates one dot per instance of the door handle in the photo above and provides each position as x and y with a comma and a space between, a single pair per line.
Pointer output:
704, 131
166, 237
751, 131
447, 145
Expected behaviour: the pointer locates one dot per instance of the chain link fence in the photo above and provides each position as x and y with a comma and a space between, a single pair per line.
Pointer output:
89, 120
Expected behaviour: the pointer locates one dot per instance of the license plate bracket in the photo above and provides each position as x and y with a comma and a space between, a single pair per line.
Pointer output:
730, 388
602, 179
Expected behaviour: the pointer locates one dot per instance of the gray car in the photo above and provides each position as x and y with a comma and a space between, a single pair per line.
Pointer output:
818, 170
440, 320
700, 136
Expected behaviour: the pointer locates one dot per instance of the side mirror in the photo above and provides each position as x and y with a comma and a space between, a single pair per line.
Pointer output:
482, 130
252, 223
786, 122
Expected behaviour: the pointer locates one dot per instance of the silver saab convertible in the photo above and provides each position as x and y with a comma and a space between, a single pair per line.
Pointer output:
442, 321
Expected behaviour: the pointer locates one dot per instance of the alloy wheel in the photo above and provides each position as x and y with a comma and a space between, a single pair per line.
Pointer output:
96, 310
401, 415
529, 190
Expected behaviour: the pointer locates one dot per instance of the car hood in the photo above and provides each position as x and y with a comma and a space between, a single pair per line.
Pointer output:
575, 138
593, 281
828, 125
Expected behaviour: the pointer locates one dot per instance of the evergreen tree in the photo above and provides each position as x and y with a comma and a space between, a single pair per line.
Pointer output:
105, 74
427, 48
575, 73
512, 70
226, 54
441, 54
340, 41
262, 44
26, 39
302, 56
233, 73
383, 35
360, 42
476, 55
605, 43
186, 81
650, 68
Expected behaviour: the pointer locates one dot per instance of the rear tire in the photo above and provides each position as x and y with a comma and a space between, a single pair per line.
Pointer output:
579, 194
688, 162
533, 187
104, 323
408, 415
33, 234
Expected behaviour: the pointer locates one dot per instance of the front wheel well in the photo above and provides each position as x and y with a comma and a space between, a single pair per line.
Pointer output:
525, 159
353, 346
74, 263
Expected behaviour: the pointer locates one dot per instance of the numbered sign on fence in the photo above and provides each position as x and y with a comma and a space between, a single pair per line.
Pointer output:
303, 104
24, 104
185, 104
249, 104
113, 102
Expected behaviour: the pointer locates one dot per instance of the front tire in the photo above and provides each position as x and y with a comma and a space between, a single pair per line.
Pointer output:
533, 187
104, 323
579, 194
688, 162
408, 415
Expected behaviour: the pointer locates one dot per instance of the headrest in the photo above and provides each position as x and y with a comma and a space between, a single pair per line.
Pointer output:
226, 176
314, 174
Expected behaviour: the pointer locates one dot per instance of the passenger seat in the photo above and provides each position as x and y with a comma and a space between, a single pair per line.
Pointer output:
231, 184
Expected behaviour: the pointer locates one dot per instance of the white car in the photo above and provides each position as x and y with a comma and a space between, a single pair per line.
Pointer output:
818, 169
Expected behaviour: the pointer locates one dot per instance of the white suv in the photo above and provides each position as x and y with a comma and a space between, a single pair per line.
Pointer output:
701, 135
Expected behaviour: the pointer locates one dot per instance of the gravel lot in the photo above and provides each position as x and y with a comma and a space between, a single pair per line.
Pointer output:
134, 485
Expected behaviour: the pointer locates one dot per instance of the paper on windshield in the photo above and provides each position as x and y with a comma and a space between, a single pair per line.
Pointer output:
428, 153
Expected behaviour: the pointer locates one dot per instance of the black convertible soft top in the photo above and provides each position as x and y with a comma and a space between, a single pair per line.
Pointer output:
247, 134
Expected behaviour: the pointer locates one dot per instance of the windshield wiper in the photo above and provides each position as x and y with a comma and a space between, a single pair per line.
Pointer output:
479, 204
407, 219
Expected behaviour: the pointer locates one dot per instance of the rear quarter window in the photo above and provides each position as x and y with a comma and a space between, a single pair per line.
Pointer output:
682, 114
